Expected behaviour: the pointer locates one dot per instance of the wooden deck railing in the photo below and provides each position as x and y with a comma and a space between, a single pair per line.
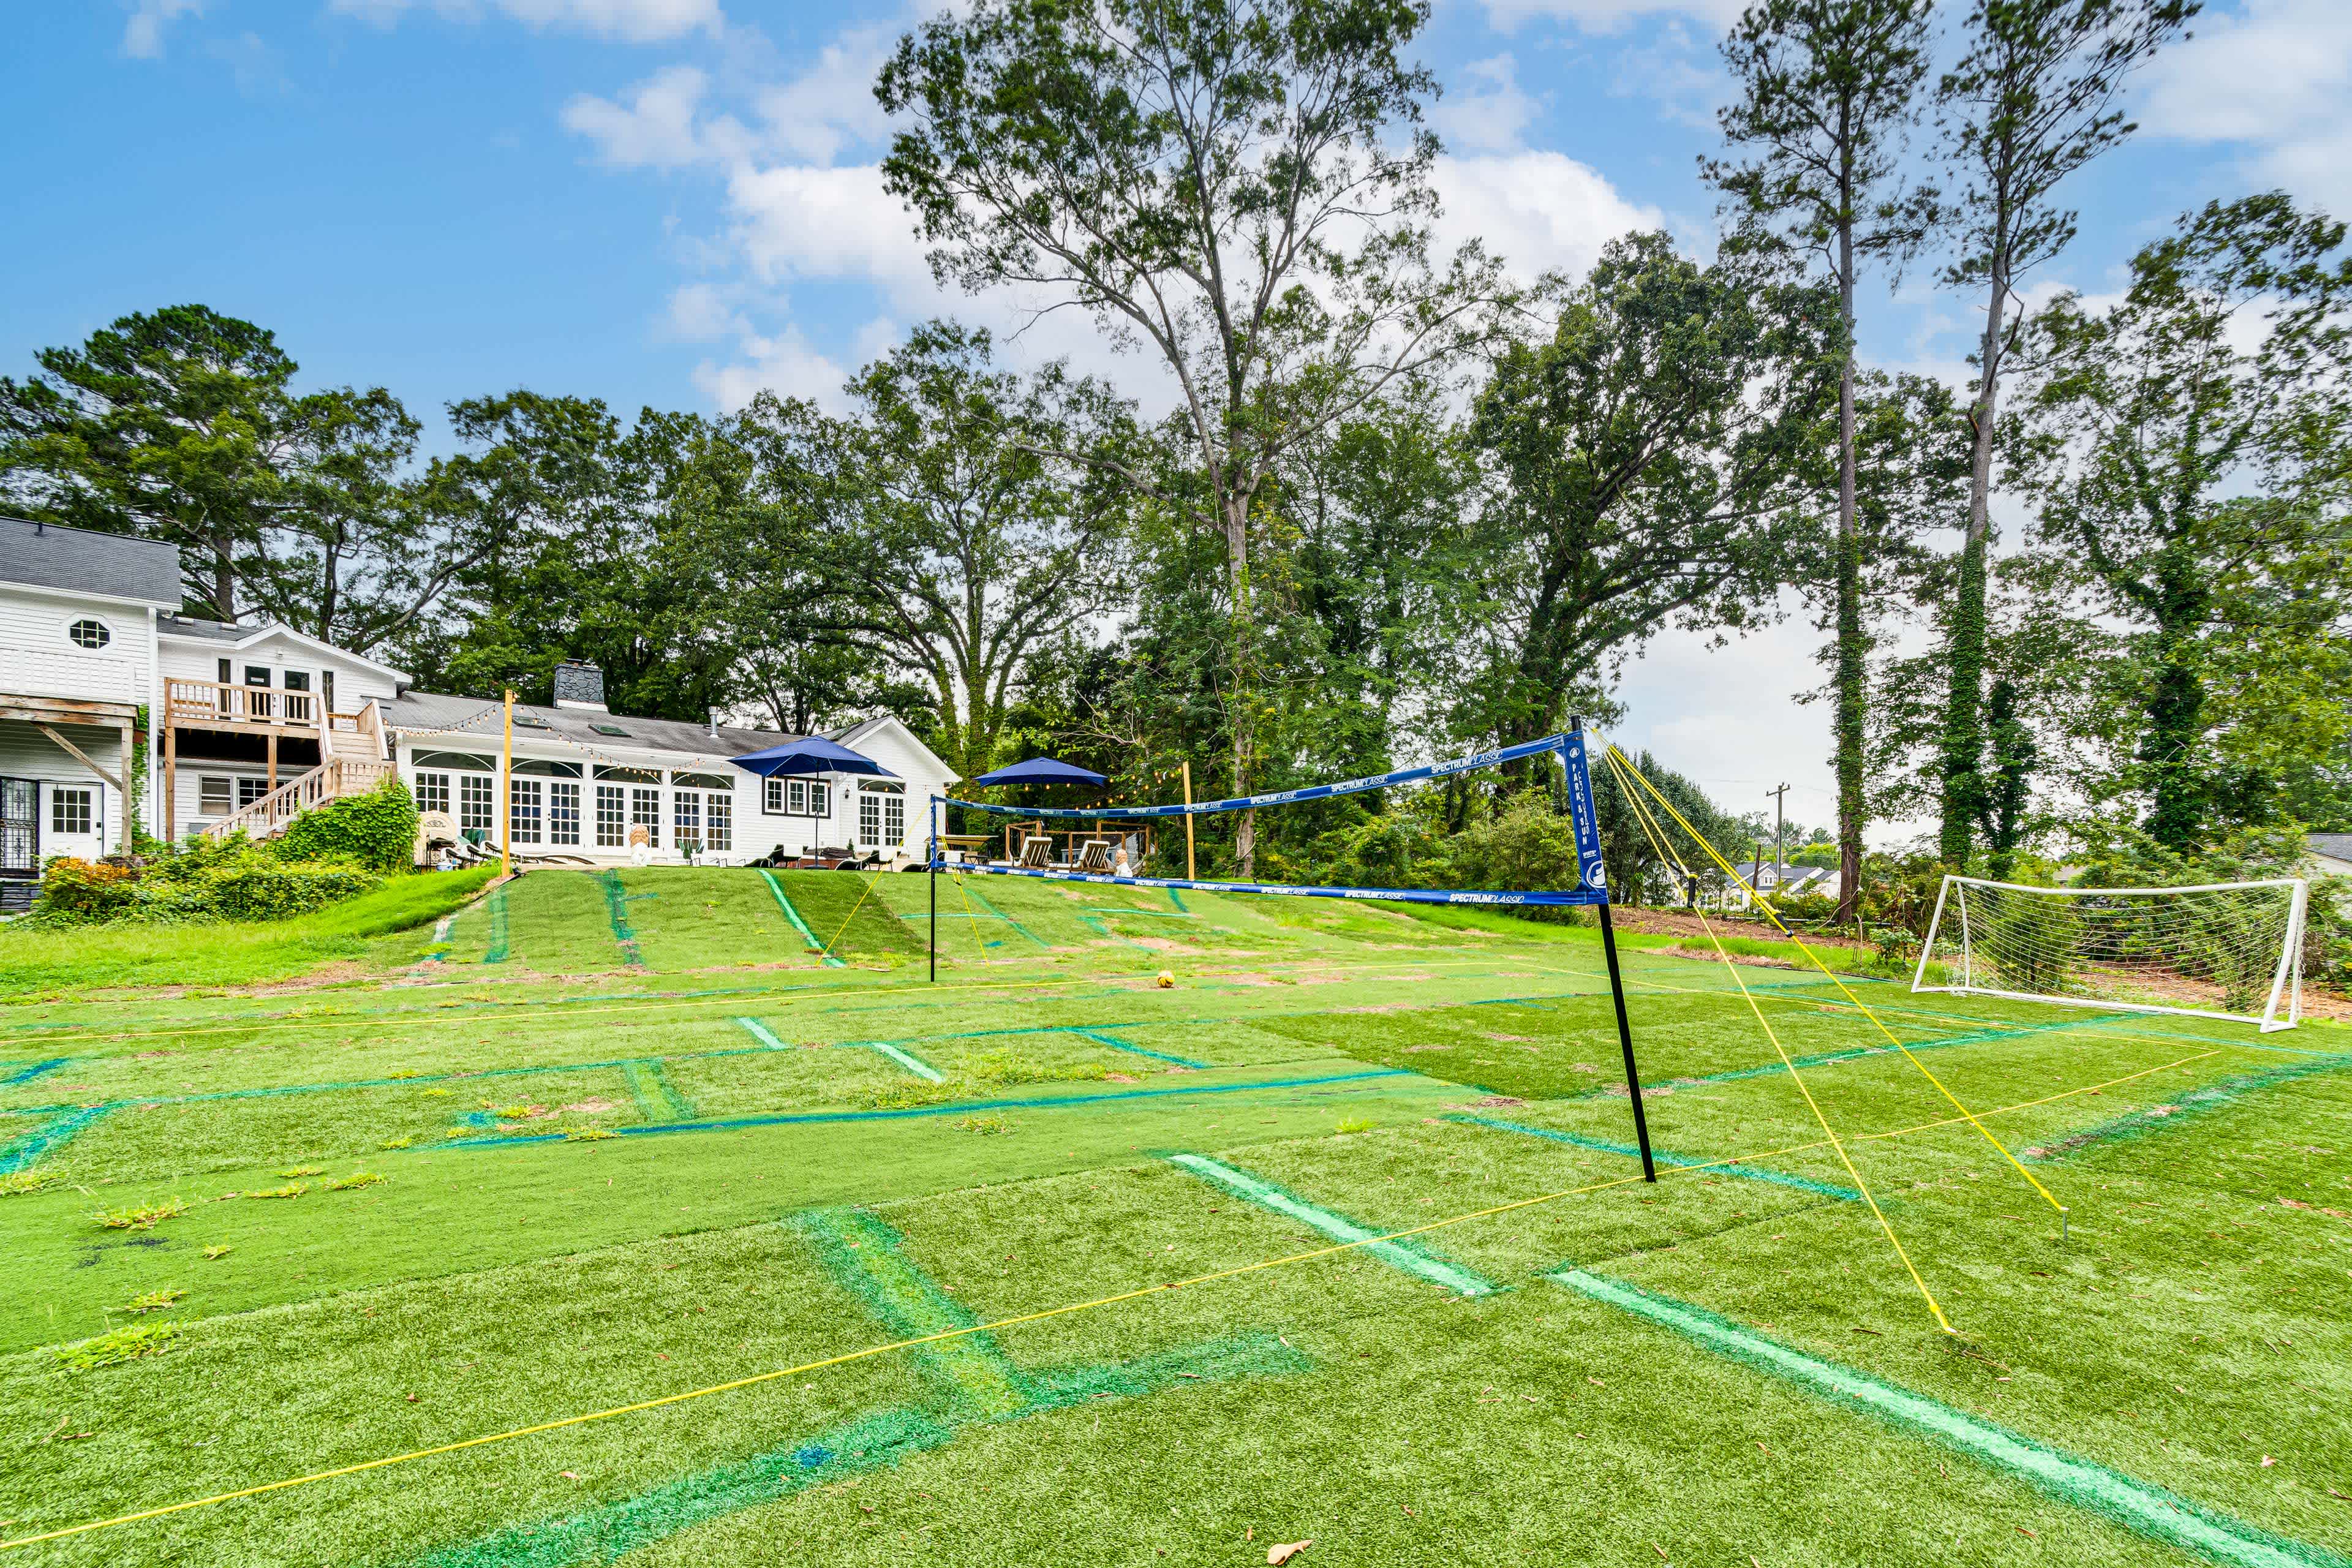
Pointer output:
221, 702
334, 777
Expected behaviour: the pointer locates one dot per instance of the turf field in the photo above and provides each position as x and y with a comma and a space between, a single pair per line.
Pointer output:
1341, 1236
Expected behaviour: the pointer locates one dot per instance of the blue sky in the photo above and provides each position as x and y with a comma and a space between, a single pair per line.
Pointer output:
672, 202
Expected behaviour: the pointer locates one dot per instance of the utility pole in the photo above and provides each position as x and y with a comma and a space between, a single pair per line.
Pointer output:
1779, 827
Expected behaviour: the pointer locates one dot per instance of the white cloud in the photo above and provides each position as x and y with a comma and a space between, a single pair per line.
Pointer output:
632, 21
830, 106
702, 313
2274, 77
657, 127
1536, 210
795, 220
785, 364
1491, 115
1611, 16
142, 35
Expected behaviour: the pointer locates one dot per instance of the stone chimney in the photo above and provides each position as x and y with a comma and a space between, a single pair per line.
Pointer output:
580, 684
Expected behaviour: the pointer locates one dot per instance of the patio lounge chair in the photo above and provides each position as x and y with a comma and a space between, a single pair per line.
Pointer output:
1094, 857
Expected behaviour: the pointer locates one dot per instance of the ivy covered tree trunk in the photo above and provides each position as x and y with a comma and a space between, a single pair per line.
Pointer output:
2010, 787
1848, 719
1961, 765
1243, 703
2175, 704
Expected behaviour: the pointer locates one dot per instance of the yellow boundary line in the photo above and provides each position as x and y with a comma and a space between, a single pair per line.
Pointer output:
1656, 836
1619, 760
999, 1324
864, 892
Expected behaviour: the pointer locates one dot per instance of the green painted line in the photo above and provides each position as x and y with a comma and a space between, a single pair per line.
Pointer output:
27, 1150
1094, 924
1398, 1255
1661, 1156
972, 1373
799, 924
2148, 1510
974, 1381
762, 1032
980, 898
1103, 1037
2180, 1110
497, 952
908, 1060
649, 1083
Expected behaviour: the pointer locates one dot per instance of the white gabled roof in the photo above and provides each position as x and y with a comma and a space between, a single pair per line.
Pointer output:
220, 634
850, 737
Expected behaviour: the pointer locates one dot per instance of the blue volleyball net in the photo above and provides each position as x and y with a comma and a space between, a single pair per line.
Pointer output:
1569, 746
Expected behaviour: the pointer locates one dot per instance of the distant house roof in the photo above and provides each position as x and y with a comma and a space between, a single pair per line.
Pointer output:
1793, 878
2335, 846
477, 720
117, 565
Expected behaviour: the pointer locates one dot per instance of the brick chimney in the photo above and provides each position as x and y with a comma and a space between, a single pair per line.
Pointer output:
580, 684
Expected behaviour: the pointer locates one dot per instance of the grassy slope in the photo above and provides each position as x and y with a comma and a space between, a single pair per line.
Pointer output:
51, 962
2195, 1325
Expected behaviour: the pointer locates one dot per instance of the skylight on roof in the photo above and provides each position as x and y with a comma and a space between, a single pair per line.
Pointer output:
529, 721
609, 729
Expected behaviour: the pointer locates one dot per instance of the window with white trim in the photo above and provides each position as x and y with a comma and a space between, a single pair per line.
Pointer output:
611, 816
477, 803
433, 793
685, 818
90, 633
795, 797
526, 802
645, 811
69, 809
719, 829
214, 793
881, 817
562, 812
249, 789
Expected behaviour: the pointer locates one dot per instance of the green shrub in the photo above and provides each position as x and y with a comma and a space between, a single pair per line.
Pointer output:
269, 890
376, 831
75, 890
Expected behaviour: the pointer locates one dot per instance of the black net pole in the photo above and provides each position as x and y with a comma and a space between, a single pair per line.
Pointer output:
1625, 1040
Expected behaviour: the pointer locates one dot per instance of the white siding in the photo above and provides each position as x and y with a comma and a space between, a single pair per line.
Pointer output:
26, 754
37, 658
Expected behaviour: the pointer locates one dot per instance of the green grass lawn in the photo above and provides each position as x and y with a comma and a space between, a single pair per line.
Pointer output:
602, 1138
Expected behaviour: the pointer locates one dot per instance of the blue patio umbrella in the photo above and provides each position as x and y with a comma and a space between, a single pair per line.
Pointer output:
815, 755
1042, 770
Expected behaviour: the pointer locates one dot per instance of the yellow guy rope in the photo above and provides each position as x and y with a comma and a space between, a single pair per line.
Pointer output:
1064, 1310
1657, 842
1618, 759
970, 915
868, 888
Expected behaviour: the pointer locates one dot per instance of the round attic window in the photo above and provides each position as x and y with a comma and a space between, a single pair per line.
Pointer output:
90, 633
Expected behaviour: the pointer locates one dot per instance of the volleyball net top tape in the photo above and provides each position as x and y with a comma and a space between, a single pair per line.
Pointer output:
1591, 878
1290, 797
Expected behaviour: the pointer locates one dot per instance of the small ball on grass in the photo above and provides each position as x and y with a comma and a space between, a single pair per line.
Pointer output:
1166, 980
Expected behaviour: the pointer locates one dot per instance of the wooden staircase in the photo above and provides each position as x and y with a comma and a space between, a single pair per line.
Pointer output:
353, 758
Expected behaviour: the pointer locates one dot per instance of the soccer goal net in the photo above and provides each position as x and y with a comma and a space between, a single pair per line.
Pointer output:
2225, 950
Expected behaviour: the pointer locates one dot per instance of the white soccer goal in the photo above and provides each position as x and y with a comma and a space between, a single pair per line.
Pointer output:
2221, 950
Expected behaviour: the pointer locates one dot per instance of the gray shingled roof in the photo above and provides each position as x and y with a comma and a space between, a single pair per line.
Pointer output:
78, 560
2335, 846
417, 711
213, 631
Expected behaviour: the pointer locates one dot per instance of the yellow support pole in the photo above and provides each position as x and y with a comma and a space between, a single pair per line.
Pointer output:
1191, 873
504, 819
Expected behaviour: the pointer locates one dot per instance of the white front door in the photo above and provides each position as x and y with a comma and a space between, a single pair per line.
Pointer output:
73, 820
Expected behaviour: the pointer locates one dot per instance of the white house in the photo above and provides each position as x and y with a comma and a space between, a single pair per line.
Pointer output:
250, 725
586, 781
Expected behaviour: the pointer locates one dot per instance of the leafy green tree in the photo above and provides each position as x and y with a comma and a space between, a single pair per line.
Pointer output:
1239, 186
183, 424
1828, 93
2185, 451
2033, 100
1649, 467
973, 546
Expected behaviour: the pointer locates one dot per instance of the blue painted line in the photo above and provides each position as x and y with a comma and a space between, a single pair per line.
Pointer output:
26, 1151
1115, 1043
27, 1075
1036, 1102
1751, 1173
